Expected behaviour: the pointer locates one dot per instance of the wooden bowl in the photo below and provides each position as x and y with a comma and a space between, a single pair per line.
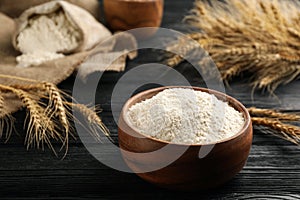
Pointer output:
188, 172
122, 15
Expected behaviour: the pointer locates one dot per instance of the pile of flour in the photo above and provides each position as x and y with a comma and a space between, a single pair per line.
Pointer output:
45, 37
185, 116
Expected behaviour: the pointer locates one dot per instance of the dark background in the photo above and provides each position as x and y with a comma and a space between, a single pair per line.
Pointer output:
273, 168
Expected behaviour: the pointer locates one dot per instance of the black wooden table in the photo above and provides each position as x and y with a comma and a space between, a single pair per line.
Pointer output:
272, 171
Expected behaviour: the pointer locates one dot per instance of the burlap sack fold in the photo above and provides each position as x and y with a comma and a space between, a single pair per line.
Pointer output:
102, 58
14, 8
91, 30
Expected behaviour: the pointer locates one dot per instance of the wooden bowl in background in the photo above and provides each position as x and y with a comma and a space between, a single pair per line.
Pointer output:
123, 15
188, 172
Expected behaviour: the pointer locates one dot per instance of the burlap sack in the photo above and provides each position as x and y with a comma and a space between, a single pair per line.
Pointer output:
92, 31
57, 70
14, 8
54, 71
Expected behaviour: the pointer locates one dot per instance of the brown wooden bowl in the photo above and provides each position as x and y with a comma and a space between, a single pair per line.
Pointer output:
188, 172
122, 15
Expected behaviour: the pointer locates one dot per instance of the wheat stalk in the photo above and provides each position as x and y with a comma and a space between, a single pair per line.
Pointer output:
41, 128
247, 36
95, 123
6, 121
46, 120
1, 114
58, 108
46, 115
19, 78
90, 114
258, 112
275, 121
285, 131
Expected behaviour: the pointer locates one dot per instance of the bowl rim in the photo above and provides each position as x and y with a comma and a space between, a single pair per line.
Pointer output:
229, 99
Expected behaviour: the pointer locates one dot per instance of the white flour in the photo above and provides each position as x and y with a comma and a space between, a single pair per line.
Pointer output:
45, 37
185, 116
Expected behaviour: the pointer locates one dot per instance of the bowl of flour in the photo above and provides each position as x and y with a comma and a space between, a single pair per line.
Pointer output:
185, 137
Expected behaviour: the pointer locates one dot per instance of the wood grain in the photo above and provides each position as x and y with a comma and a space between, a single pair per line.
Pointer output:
272, 170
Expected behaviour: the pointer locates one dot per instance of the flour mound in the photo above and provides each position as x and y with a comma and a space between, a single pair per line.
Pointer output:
55, 29
185, 116
45, 37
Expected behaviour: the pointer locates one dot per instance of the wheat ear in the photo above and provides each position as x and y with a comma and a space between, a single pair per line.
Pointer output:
1, 114
95, 122
286, 131
56, 104
6, 121
257, 37
41, 129
258, 112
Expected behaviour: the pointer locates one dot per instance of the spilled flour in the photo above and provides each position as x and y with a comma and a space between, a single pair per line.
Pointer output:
185, 116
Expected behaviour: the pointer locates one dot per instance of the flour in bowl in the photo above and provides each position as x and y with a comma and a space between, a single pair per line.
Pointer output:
185, 116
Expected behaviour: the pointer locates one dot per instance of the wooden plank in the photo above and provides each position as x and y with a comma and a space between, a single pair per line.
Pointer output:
272, 170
